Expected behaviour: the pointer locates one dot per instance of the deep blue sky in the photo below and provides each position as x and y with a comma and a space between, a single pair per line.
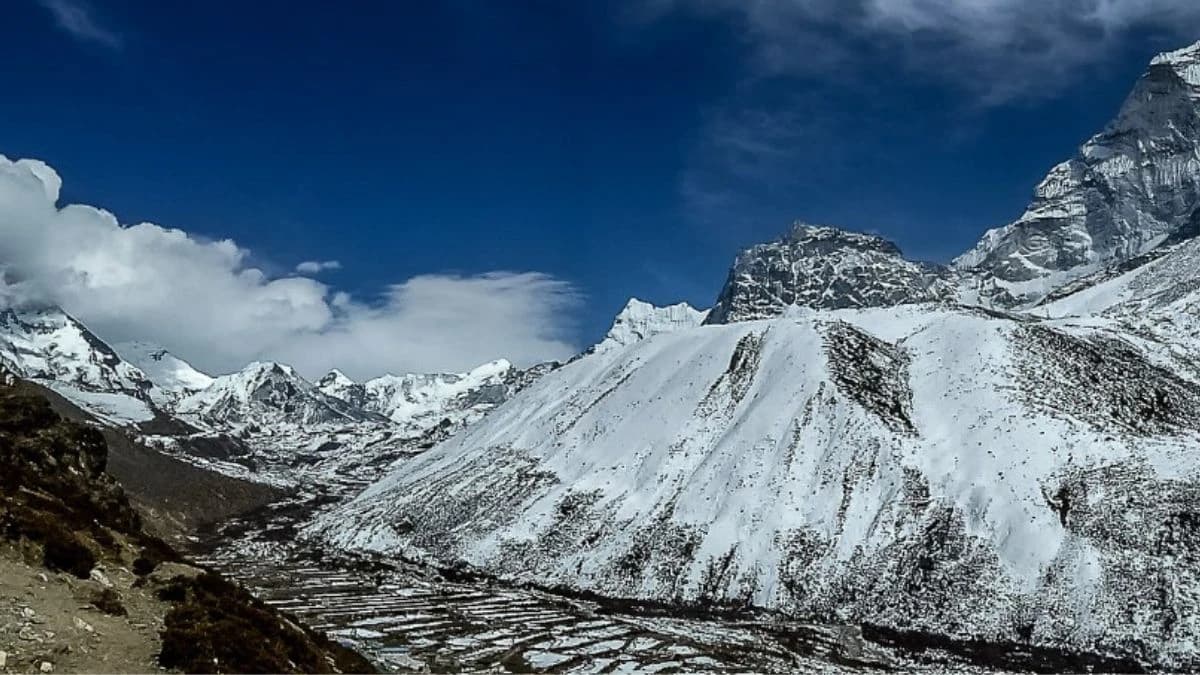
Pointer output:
572, 138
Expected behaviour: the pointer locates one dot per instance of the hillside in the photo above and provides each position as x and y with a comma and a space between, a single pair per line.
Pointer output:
91, 590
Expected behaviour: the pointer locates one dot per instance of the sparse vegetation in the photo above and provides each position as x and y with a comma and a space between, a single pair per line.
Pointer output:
57, 502
217, 627
109, 602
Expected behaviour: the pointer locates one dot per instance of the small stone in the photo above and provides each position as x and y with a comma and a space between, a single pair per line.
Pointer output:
83, 625
98, 576
46, 667
3, 660
27, 612
45, 579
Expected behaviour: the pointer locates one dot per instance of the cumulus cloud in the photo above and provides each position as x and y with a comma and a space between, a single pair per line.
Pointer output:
1001, 49
202, 300
77, 20
317, 266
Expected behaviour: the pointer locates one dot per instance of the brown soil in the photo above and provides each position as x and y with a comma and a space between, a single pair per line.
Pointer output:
175, 499
85, 588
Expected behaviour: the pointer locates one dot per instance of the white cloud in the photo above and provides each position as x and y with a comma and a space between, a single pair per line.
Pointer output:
1001, 49
317, 266
203, 301
76, 19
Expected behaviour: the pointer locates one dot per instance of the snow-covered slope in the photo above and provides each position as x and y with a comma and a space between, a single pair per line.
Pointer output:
415, 399
956, 471
173, 377
49, 346
825, 268
639, 320
1128, 188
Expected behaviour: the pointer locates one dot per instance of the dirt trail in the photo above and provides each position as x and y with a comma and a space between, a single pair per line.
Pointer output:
49, 618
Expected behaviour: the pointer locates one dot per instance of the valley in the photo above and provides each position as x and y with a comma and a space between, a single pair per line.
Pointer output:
853, 461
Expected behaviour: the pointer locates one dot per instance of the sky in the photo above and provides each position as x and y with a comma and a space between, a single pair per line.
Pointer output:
395, 187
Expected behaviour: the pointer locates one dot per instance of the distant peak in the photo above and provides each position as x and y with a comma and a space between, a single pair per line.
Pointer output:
337, 377
264, 368
639, 320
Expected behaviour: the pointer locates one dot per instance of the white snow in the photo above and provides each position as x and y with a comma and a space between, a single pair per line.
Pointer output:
640, 320
114, 408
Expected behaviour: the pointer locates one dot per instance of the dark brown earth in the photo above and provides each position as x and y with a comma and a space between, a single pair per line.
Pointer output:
84, 586
175, 499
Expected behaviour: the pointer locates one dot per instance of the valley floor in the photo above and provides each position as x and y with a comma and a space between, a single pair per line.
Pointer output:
408, 617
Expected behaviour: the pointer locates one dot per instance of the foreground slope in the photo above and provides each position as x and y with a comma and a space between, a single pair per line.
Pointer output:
86, 589
955, 471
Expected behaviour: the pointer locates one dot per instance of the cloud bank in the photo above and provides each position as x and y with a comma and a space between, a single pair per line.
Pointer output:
203, 301
1000, 49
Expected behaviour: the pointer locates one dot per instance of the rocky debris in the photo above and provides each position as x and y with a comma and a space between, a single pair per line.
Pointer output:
1104, 381
872, 373
825, 268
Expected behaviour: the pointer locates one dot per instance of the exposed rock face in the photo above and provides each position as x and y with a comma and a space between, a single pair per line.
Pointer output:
825, 268
1129, 187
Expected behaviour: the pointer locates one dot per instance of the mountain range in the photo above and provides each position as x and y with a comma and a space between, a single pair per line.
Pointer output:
1000, 448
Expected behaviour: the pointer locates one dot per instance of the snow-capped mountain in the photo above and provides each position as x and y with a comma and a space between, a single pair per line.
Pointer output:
414, 399
48, 344
265, 393
1128, 188
893, 454
173, 377
639, 320
825, 268
949, 470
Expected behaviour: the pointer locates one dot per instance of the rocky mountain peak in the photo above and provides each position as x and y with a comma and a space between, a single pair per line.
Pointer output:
1127, 190
337, 378
823, 239
1185, 61
267, 392
171, 375
825, 268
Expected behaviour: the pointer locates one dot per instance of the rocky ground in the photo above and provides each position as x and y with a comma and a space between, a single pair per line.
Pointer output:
55, 622
85, 588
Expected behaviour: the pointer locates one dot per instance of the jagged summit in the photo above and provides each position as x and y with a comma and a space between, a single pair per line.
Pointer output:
827, 239
825, 268
267, 392
1127, 189
1184, 60
639, 320
336, 377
